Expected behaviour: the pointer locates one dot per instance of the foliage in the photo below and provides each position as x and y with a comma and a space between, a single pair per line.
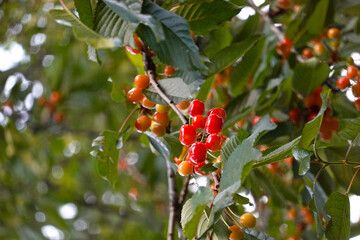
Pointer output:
66, 123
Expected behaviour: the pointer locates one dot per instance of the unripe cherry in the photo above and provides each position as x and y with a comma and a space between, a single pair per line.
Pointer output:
196, 107
213, 142
214, 124
248, 220
187, 134
185, 168
135, 95
199, 121
142, 81
161, 118
143, 123
197, 152
169, 71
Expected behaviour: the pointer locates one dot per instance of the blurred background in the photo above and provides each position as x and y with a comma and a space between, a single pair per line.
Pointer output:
53, 102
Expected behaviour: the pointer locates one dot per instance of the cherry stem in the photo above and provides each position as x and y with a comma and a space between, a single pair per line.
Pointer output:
319, 172
125, 121
352, 181
348, 152
231, 217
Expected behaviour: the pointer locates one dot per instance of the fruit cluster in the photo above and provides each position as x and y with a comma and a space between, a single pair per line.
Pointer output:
160, 119
284, 48
208, 139
344, 82
247, 220
329, 124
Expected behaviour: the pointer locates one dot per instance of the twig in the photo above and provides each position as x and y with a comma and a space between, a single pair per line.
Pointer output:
173, 201
150, 70
351, 182
267, 19
184, 191
318, 173
230, 216
348, 152
277, 32
125, 121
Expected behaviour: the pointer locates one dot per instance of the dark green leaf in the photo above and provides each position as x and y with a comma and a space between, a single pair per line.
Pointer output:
240, 199
338, 207
230, 54
81, 31
204, 15
205, 88
218, 39
174, 88
84, 9
178, 49
117, 93
308, 75
261, 127
316, 22
208, 168
245, 68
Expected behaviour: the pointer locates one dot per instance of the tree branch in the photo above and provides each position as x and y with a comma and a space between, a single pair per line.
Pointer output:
174, 207
173, 201
150, 70
277, 32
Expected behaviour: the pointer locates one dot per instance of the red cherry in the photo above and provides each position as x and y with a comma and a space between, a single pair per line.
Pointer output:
214, 124
275, 120
213, 142
357, 104
223, 139
352, 72
255, 120
343, 82
187, 134
218, 111
198, 167
307, 53
197, 152
169, 71
356, 90
295, 115
199, 121
196, 107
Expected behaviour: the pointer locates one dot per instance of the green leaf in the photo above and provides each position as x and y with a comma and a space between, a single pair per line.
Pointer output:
81, 31
193, 79
338, 207
316, 22
303, 156
240, 107
261, 127
107, 155
208, 168
108, 24
205, 15
230, 54
236, 168
190, 218
231, 143
117, 93
178, 49
240, 199
218, 39
311, 128
84, 9
246, 68
160, 145
279, 153
174, 88
349, 129
205, 88
308, 75
253, 234
129, 11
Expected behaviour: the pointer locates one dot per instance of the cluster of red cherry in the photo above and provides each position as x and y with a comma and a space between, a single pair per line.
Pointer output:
344, 82
210, 139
